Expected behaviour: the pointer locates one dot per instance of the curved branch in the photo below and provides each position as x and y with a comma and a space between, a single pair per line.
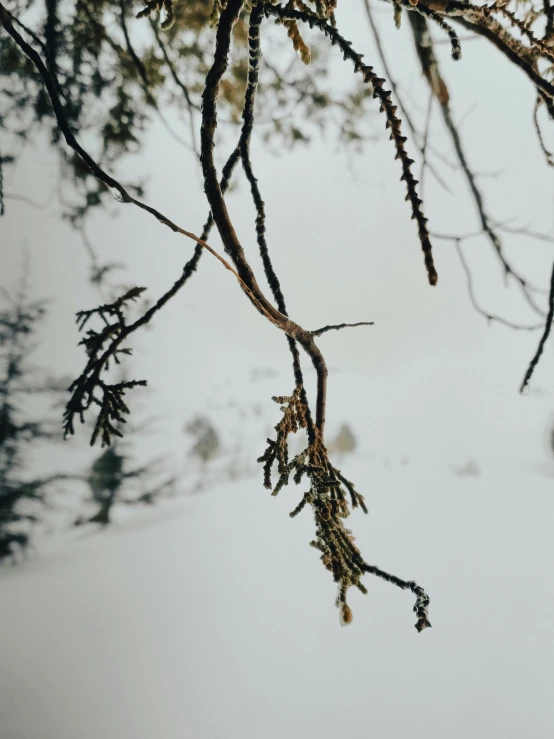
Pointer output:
190, 105
340, 326
387, 107
544, 337
254, 54
489, 316
220, 214
431, 71
405, 115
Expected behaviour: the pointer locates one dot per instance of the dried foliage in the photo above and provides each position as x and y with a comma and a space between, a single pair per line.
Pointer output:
233, 83
331, 497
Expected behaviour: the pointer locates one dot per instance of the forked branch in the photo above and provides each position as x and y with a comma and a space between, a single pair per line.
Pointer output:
331, 494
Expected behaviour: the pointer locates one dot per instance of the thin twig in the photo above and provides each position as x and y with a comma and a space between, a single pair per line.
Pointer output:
425, 160
387, 107
190, 105
405, 115
1, 185
422, 599
254, 57
523, 231
430, 67
23, 198
547, 154
340, 326
232, 245
547, 327
489, 316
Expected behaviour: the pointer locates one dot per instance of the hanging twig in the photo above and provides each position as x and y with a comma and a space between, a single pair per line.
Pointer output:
431, 70
387, 107
405, 115
547, 327
340, 326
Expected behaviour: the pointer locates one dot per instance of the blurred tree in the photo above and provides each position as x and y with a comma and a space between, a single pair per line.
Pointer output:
206, 445
108, 479
22, 493
105, 480
344, 442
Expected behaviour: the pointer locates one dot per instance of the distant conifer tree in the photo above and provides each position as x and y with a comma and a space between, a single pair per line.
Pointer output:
23, 492
345, 441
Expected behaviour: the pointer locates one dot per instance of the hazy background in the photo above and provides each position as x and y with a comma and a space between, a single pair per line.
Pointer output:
210, 616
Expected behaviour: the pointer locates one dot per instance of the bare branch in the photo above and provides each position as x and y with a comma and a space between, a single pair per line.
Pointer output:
489, 316
405, 115
190, 105
340, 326
544, 337
431, 70
254, 50
387, 107
547, 154
422, 599
221, 216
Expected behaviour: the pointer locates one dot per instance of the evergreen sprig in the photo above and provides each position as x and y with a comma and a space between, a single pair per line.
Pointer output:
327, 496
89, 389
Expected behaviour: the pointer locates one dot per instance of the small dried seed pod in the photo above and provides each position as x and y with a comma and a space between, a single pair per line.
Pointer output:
345, 614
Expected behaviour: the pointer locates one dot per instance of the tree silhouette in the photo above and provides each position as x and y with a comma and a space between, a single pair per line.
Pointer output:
344, 442
22, 493
109, 481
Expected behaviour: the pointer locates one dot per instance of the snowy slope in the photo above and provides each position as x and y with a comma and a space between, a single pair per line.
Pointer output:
210, 617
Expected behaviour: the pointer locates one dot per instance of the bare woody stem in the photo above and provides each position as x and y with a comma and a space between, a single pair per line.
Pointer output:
544, 337
221, 217
254, 62
430, 67
387, 107
339, 326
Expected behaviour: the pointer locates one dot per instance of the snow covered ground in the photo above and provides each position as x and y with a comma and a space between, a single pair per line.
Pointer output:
210, 617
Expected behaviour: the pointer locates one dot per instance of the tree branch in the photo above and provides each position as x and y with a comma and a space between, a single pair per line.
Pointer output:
340, 326
387, 107
430, 67
544, 337
220, 214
